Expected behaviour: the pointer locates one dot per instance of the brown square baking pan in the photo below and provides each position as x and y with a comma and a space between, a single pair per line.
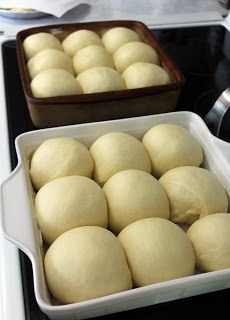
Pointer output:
74, 109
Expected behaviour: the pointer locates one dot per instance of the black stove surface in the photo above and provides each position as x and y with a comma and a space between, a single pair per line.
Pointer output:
203, 55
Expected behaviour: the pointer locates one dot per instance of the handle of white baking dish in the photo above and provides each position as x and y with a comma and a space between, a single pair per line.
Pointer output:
224, 147
16, 215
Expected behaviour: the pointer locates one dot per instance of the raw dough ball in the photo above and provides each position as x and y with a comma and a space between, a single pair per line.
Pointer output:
86, 263
80, 39
38, 42
57, 158
100, 79
92, 56
117, 151
193, 193
133, 195
114, 38
157, 250
210, 237
54, 82
143, 74
49, 59
170, 146
132, 52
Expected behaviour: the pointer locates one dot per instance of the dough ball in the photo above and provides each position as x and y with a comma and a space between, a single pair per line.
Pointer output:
114, 38
132, 52
170, 146
117, 151
100, 79
57, 158
38, 42
193, 193
69, 202
86, 263
157, 250
92, 56
80, 39
143, 74
54, 82
49, 59
133, 195
210, 237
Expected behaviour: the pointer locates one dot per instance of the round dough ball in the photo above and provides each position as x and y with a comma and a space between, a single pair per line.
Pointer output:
38, 42
157, 250
49, 59
100, 79
59, 157
86, 263
80, 39
210, 237
132, 52
114, 38
133, 195
92, 56
143, 74
117, 151
170, 146
193, 193
54, 82
69, 202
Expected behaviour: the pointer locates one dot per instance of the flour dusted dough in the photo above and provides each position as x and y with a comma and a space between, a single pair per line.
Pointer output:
157, 250
117, 151
170, 146
210, 237
86, 263
193, 193
59, 157
133, 195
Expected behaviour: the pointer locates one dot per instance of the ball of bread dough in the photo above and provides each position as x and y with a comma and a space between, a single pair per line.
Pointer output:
80, 39
143, 74
86, 263
49, 59
193, 193
133, 195
210, 237
157, 250
38, 42
170, 146
117, 151
132, 52
100, 79
54, 82
59, 157
92, 56
114, 38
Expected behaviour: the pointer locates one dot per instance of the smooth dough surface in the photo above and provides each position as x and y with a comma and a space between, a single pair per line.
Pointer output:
193, 193
210, 237
38, 42
157, 250
69, 202
114, 38
54, 82
86, 263
100, 79
133, 195
59, 157
143, 74
117, 151
49, 59
92, 56
170, 146
132, 52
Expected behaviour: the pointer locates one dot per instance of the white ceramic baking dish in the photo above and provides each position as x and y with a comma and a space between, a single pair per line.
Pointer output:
18, 222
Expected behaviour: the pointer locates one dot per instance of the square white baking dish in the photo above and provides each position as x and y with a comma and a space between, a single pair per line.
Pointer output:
18, 224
